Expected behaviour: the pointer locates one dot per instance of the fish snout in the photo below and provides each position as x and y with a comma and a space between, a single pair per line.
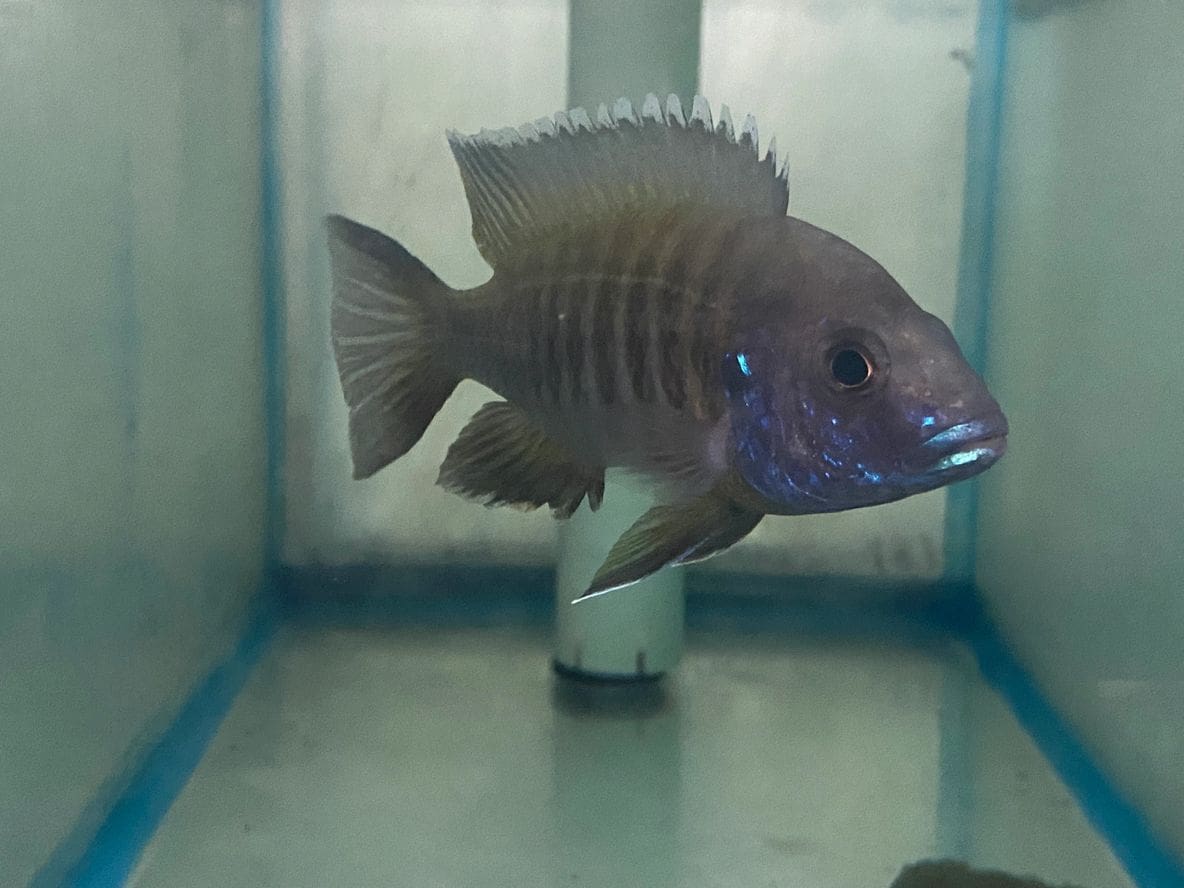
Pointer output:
968, 448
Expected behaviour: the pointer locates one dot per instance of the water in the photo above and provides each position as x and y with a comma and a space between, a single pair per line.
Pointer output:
176, 470
451, 757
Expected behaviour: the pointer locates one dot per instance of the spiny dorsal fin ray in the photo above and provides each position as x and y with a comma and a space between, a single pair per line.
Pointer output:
522, 182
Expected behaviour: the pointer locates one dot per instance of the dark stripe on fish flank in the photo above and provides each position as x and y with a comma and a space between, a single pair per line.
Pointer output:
637, 339
668, 304
637, 263
605, 300
710, 343
527, 295
702, 361
695, 313
677, 252
621, 250
531, 296
686, 316
719, 264
575, 294
708, 329
552, 333
619, 352
675, 303
564, 253
660, 266
642, 264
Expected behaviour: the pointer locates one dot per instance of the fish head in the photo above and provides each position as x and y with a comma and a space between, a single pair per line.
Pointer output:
842, 392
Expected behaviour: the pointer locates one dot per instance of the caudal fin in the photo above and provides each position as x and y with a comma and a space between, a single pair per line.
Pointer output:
386, 326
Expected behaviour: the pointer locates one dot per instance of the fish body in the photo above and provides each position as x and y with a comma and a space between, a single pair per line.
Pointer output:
653, 308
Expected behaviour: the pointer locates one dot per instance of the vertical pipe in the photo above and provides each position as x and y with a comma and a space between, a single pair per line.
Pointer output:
622, 48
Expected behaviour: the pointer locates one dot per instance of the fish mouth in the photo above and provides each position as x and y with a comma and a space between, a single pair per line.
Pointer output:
968, 447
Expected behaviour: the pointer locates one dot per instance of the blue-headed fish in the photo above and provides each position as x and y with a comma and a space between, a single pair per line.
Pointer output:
653, 308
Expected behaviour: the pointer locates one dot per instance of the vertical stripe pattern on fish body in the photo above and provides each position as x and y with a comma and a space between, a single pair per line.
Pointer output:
595, 324
653, 308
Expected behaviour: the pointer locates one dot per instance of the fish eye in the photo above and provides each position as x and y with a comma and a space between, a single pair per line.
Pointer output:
850, 367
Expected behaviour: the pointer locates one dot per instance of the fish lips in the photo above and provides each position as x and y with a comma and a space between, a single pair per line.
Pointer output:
967, 448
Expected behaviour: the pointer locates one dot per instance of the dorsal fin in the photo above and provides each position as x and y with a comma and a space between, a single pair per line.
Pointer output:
522, 182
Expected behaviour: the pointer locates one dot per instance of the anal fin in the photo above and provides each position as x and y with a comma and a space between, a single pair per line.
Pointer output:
502, 458
667, 535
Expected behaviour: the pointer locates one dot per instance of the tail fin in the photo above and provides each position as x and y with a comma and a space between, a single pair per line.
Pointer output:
386, 322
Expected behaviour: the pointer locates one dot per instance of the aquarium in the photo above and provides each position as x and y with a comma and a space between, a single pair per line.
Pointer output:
226, 661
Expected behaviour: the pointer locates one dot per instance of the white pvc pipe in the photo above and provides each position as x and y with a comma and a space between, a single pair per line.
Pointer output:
632, 632
622, 48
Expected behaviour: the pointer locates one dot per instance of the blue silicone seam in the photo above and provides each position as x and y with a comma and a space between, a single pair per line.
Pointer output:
1112, 815
132, 819
976, 262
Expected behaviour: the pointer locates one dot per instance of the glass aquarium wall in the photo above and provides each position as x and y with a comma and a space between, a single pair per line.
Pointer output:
1081, 528
131, 421
367, 89
867, 101
136, 434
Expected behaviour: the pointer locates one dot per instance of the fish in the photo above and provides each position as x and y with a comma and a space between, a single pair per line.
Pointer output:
955, 874
653, 309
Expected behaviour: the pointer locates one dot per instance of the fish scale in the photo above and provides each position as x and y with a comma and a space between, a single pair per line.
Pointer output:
573, 341
620, 310
574, 336
605, 301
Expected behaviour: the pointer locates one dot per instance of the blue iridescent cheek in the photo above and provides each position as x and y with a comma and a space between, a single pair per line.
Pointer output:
764, 458
752, 426
843, 449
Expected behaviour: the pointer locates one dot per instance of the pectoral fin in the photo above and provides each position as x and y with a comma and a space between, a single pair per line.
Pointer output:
673, 534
